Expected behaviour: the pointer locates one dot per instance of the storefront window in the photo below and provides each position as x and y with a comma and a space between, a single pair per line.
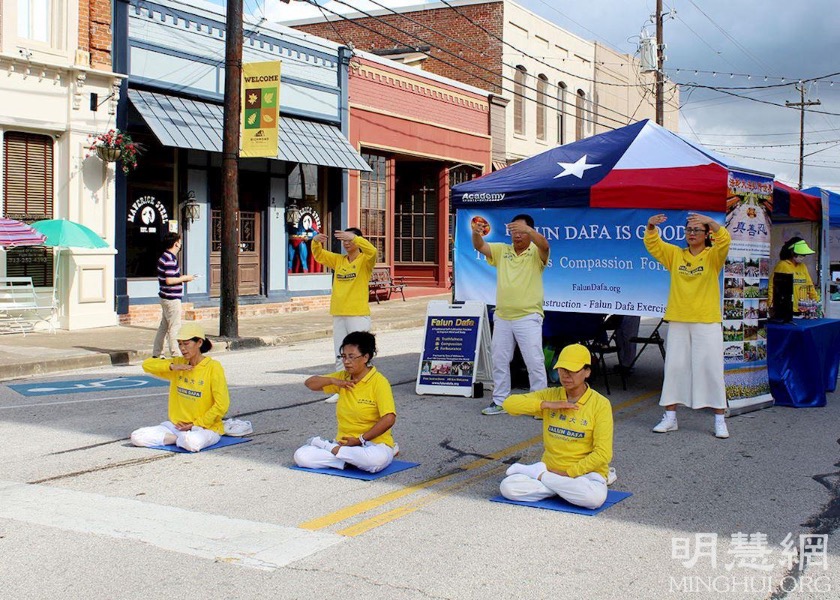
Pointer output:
147, 222
28, 197
374, 204
304, 213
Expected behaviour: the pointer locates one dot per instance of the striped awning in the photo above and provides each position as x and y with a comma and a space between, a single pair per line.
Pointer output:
197, 125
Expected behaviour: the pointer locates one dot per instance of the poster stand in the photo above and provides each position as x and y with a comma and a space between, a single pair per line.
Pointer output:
455, 360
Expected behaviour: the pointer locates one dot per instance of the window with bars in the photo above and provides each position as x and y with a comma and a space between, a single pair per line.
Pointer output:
561, 112
542, 106
580, 104
28, 197
519, 100
415, 215
374, 204
456, 176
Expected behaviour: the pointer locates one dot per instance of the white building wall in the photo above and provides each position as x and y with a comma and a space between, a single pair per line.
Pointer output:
558, 55
44, 91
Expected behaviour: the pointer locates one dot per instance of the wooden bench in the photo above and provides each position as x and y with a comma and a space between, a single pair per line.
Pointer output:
20, 310
383, 284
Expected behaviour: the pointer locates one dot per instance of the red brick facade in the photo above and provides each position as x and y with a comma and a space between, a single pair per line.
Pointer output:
453, 59
95, 32
418, 123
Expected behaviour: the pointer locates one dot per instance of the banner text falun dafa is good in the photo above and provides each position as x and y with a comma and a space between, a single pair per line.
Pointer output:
260, 109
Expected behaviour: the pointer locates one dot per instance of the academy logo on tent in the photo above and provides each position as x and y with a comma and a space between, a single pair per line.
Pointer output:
482, 197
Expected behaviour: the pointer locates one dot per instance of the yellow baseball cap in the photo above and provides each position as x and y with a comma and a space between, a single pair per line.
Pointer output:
189, 331
801, 247
573, 358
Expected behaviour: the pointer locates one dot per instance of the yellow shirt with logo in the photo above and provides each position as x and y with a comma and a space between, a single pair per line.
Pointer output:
803, 286
519, 284
360, 408
694, 296
349, 296
575, 441
199, 396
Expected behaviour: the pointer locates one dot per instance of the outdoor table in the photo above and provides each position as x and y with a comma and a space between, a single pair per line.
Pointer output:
802, 361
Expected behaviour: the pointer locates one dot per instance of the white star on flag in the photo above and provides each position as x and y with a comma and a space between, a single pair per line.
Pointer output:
576, 168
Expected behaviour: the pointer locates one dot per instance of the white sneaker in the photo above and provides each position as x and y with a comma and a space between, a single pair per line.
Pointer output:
332, 399
721, 430
611, 476
320, 442
237, 427
666, 424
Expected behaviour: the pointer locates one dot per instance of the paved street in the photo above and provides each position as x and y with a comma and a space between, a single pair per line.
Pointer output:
84, 515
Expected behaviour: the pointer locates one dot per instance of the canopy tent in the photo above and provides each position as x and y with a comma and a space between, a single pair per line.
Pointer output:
641, 165
833, 204
795, 204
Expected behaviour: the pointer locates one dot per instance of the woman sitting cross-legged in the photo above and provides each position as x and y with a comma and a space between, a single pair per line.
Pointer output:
198, 395
577, 438
365, 412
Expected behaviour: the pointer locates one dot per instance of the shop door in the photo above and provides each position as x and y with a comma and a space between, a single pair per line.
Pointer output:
416, 224
250, 253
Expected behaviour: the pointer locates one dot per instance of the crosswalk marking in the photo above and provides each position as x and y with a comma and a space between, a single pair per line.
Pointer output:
247, 543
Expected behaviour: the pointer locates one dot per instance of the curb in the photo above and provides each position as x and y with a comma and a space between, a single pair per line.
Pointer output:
126, 357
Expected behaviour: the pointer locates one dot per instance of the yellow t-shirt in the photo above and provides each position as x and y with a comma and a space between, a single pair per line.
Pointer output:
349, 296
694, 296
199, 396
519, 285
575, 441
361, 408
803, 286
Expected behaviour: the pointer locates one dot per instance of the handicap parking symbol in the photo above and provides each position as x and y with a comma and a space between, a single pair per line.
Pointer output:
53, 388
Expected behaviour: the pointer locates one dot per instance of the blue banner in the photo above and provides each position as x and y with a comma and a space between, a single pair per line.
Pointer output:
598, 261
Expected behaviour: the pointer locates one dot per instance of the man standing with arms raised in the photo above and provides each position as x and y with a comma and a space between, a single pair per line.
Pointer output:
519, 304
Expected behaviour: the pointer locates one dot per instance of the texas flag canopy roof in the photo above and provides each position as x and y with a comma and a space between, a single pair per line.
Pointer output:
641, 165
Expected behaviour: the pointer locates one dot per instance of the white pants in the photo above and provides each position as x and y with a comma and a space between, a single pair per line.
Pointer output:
588, 491
341, 327
694, 366
527, 333
371, 458
170, 323
193, 440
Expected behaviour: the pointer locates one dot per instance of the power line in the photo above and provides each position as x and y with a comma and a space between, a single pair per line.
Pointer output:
357, 23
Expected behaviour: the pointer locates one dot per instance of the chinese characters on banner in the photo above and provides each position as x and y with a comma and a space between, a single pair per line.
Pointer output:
260, 109
746, 279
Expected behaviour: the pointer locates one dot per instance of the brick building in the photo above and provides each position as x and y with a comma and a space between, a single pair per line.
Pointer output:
58, 90
421, 134
552, 86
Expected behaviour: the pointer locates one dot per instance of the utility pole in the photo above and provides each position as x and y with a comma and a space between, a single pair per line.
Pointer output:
802, 104
660, 67
229, 309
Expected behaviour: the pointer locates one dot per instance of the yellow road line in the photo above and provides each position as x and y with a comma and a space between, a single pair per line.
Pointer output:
367, 505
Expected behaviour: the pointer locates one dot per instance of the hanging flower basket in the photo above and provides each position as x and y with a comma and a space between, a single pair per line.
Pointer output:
108, 154
117, 146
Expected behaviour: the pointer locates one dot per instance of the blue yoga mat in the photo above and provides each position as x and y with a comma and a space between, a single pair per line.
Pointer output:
225, 441
353, 473
557, 503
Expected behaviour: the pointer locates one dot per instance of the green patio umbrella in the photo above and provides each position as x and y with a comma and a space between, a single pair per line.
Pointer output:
61, 233
67, 234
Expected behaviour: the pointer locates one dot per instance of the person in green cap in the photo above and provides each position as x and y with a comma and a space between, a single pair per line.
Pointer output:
792, 260
577, 438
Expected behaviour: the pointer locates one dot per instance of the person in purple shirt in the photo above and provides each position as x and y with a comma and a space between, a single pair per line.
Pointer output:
171, 284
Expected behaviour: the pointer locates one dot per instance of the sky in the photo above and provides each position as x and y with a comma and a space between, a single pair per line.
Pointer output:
717, 44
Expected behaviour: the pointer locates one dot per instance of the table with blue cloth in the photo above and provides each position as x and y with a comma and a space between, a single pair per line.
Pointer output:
802, 360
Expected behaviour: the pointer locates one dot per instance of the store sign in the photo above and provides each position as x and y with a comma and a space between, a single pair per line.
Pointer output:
301, 232
149, 214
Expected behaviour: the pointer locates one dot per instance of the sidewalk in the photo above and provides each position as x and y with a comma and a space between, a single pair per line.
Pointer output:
42, 353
